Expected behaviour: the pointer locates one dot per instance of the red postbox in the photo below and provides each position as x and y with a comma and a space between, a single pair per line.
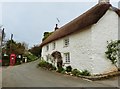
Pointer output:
12, 59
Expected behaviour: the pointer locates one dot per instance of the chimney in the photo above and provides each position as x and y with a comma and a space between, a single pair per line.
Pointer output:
56, 27
104, 1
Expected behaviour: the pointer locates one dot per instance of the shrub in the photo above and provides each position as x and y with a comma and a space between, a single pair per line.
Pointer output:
85, 73
60, 69
42, 63
63, 72
53, 68
46, 65
68, 68
76, 72
112, 52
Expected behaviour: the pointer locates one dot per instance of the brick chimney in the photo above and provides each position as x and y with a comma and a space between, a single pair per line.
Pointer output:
104, 1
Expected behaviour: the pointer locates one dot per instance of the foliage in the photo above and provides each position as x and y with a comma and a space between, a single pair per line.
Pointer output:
60, 69
63, 71
68, 68
76, 72
113, 49
46, 65
30, 57
36, 50
12, 46
46, 34
15, 47
85, 73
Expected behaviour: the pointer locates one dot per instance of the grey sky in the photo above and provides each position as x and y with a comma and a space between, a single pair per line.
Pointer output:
29, 20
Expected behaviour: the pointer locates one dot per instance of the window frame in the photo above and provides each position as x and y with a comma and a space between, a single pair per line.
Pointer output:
66, 42
53, 45
47, 47
67, 57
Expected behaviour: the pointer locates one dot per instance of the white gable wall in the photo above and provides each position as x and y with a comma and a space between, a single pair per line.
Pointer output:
105, 30
87, 47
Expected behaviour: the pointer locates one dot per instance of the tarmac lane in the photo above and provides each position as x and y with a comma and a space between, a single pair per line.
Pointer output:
28, 75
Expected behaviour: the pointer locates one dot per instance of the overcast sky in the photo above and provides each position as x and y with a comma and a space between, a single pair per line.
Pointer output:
29, 20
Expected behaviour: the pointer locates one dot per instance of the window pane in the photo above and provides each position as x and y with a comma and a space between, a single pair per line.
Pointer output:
67, 57
66, 42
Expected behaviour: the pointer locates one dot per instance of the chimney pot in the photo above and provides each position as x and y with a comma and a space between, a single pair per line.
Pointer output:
104, 1
56, 27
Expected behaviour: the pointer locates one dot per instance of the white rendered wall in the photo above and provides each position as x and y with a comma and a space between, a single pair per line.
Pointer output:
105, 30
79, 49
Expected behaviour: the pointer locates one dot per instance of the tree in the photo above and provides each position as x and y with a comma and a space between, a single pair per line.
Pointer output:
14, 47
36, 50
46, 34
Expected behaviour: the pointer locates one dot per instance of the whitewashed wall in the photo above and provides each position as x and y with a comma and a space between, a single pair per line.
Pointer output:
105, 30
87, 47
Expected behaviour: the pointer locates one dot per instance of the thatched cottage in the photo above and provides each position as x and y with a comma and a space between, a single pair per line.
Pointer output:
82, 42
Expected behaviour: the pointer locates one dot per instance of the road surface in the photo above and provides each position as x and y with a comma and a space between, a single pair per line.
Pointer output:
28, 75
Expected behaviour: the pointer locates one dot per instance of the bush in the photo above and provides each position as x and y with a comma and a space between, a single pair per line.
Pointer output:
60, 69
85, 73
68, 68
112, 52
42, 63
63, 72
76, 72
46, 65
31, 57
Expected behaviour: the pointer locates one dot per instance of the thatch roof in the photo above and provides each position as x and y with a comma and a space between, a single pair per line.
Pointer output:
88, 18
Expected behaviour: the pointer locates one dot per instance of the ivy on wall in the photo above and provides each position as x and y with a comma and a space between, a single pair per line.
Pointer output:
113, 49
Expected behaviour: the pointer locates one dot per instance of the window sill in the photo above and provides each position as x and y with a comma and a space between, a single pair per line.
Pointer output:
65, 46
66, 63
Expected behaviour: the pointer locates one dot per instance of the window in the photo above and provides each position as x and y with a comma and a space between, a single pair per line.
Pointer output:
47, 47
66, 42
47, 57
54, 45
67, 57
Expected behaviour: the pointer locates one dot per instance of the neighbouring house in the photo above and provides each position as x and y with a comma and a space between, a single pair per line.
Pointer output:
82, 42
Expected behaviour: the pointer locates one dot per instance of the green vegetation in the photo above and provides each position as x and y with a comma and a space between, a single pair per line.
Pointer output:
113, 49
36, 50
31, 57
85, 73
46, 34
46, 65
68, 68
61, 70
14, 47
18, 49
75, 72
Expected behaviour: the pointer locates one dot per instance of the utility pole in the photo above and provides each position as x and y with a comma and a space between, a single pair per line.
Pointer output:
1, 40
11, 43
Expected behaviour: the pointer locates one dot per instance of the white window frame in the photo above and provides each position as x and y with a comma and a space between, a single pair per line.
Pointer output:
66, 42
67, 57
47, 47
54, 45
